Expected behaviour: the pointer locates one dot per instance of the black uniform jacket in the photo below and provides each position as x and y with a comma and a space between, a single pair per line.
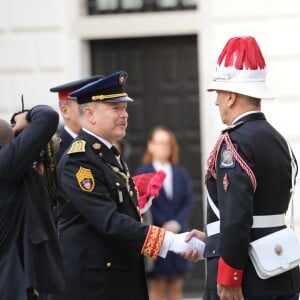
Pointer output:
99, 230
65, 139
266, 152
29, 250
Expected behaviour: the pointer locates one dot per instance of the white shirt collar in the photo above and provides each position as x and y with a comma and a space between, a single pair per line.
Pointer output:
70, 132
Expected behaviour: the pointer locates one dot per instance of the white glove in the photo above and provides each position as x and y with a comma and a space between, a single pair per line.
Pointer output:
178, 244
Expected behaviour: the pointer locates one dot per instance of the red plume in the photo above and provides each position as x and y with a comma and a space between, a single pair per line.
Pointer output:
242, 52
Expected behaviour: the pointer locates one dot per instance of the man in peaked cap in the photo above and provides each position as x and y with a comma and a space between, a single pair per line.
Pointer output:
63, 138
249, 179
69, 111
101, 235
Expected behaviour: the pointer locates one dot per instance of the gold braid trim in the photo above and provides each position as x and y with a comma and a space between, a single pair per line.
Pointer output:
50, 165
153, 241
111, 96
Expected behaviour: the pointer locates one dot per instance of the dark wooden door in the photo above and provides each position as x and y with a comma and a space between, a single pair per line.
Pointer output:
163, 81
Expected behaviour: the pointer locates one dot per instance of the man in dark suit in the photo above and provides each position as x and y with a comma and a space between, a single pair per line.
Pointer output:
101, 235
30, 258
249, 181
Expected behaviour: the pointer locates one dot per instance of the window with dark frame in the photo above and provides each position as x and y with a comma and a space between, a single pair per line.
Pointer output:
127, 6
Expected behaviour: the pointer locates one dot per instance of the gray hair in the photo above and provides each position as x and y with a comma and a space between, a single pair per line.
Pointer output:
81, 108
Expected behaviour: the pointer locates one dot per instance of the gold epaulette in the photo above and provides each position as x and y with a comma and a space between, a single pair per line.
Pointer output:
153, 241
77, 147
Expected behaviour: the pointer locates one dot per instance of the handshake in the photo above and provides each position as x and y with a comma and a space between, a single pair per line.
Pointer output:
177, 243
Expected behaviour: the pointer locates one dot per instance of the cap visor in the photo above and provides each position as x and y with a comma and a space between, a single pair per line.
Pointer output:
119, 99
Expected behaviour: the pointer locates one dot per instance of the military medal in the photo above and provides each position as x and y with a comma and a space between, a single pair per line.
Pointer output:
120, 194
225, 182
125, 176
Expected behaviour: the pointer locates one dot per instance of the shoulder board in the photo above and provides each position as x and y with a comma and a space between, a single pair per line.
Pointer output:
232, 127
77, 147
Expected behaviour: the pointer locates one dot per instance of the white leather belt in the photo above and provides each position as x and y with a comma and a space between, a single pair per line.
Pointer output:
258, 222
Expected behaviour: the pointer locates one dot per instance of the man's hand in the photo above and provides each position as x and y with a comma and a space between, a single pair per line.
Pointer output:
193, 255
230, 292
20, 122
197, 234
179, 244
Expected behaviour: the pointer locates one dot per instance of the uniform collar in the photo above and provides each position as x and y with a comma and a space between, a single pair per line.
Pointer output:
250, 116
105, 142
99, 145
70, 132
237, 119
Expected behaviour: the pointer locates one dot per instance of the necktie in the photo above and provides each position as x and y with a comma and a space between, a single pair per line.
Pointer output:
117, 155
115, 151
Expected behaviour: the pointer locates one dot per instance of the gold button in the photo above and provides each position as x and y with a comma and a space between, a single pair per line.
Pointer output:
108, 264
96, 146
117, 184
131, 193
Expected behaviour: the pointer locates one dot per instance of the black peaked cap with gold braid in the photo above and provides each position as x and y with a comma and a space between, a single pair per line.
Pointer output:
108, 89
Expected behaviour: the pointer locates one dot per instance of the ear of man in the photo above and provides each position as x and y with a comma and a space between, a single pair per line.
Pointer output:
232, 97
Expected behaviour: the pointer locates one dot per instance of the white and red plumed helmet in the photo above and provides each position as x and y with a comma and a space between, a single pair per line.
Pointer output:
241, 69
148, 186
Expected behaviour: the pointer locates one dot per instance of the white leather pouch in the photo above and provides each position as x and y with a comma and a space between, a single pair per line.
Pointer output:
275, 253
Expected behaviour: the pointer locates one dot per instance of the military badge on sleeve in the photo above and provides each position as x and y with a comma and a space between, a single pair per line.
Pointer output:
227, 159
85, 179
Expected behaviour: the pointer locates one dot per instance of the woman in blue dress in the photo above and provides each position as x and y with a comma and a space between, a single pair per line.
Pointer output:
171, 210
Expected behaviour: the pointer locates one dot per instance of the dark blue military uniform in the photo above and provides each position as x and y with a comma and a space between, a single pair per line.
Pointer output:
100, 231
249, 174
29, 251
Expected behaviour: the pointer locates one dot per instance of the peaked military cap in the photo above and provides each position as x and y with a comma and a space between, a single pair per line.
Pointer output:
65, 89
108, 89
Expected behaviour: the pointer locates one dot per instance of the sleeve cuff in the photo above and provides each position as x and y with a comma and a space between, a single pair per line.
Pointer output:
227, 275
153, 242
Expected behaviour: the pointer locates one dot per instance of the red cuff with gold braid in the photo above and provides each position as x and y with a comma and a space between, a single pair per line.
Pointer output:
153, 241
227, 275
